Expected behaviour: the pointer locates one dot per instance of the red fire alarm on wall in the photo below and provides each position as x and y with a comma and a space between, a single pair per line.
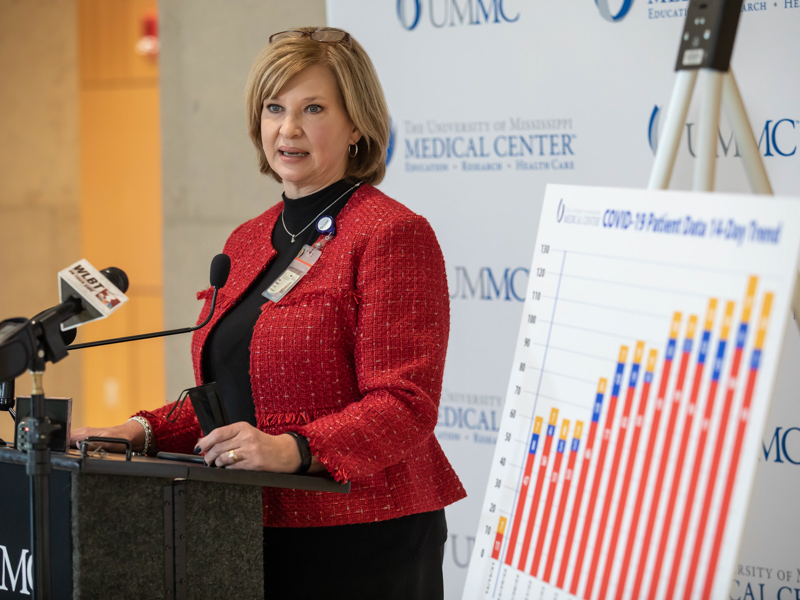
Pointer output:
148, 45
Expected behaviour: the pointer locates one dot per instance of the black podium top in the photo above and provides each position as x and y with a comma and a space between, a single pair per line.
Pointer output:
145, 466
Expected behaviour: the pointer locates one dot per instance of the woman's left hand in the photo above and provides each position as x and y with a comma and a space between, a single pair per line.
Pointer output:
242, 446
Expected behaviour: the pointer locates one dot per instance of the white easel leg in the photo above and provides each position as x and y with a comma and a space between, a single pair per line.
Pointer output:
708, 130
673, 127
746, 141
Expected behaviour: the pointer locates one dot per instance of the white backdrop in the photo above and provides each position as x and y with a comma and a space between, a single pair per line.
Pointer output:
493, 99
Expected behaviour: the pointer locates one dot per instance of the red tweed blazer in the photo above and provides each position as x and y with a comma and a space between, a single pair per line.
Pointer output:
352, 358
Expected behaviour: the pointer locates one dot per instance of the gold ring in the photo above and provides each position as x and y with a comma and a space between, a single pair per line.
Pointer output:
233, 457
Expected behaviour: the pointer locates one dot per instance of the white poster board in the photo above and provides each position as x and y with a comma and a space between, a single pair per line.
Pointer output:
639, 389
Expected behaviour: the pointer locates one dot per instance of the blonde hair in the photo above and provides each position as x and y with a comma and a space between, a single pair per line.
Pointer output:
358, 84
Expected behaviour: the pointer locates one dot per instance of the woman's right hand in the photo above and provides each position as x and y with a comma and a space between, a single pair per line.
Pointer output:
131, 431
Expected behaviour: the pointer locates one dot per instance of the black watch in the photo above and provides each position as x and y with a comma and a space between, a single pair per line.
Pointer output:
305, 452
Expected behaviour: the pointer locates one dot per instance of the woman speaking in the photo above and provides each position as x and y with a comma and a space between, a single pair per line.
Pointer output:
328, 344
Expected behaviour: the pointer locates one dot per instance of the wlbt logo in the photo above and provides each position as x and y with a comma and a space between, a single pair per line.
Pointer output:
453, 13
777, 137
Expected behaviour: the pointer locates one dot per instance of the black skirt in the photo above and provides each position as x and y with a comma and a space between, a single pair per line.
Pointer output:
398, 559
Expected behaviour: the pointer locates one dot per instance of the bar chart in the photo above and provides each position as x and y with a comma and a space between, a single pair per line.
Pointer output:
638, 390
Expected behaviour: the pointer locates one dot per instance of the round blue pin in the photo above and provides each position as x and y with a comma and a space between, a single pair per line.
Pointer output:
326, 225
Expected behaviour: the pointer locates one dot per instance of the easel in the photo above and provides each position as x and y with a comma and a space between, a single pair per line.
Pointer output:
706, 46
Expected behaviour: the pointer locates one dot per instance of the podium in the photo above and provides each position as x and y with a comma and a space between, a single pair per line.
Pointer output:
144, 528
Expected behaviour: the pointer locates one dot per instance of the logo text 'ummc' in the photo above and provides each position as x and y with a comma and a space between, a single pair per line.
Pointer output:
453, 13
778, 137
488, 286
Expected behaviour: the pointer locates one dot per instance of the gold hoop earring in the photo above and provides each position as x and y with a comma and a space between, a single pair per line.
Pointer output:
350, 150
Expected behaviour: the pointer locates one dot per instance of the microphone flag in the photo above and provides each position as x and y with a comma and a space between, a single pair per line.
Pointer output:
98, 295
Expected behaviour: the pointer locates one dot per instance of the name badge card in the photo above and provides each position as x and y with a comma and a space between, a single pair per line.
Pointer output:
301, 264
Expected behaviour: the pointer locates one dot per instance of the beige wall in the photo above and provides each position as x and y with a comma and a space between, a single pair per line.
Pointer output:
80, 170
120, 178
39, 158
211, 179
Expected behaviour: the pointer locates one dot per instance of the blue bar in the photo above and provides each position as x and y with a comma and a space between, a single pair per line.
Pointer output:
742, 335
634, 375
701, 359
598, 407
534, 443
756, 360
575, 444
671, 349
719, 360
618, 379
561, 445
551, 430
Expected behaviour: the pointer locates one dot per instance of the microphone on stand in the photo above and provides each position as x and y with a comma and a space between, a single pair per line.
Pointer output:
86, 295
220, 269
93, 295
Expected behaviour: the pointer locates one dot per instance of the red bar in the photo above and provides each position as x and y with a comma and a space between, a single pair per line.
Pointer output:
523, 490
587, 458
648, 459
626, 480
562, 505
601, 460
612, 480
537, 492
701, 443
684, 444
498, 540
726, 413
662, 467
744, 417
551, 492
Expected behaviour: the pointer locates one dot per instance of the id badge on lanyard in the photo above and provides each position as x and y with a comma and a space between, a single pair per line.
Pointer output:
301, 265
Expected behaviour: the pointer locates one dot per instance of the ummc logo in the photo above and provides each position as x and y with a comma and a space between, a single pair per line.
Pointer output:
409, 18
653, 12
23, 573
461, 556
608, 15
778, 137
487, 285
786, 448
390, 147
444, 13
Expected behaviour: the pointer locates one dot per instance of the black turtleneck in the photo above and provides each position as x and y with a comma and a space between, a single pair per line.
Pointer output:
226, 355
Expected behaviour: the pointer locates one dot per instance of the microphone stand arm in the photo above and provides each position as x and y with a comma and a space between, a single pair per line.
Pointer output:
147, 336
